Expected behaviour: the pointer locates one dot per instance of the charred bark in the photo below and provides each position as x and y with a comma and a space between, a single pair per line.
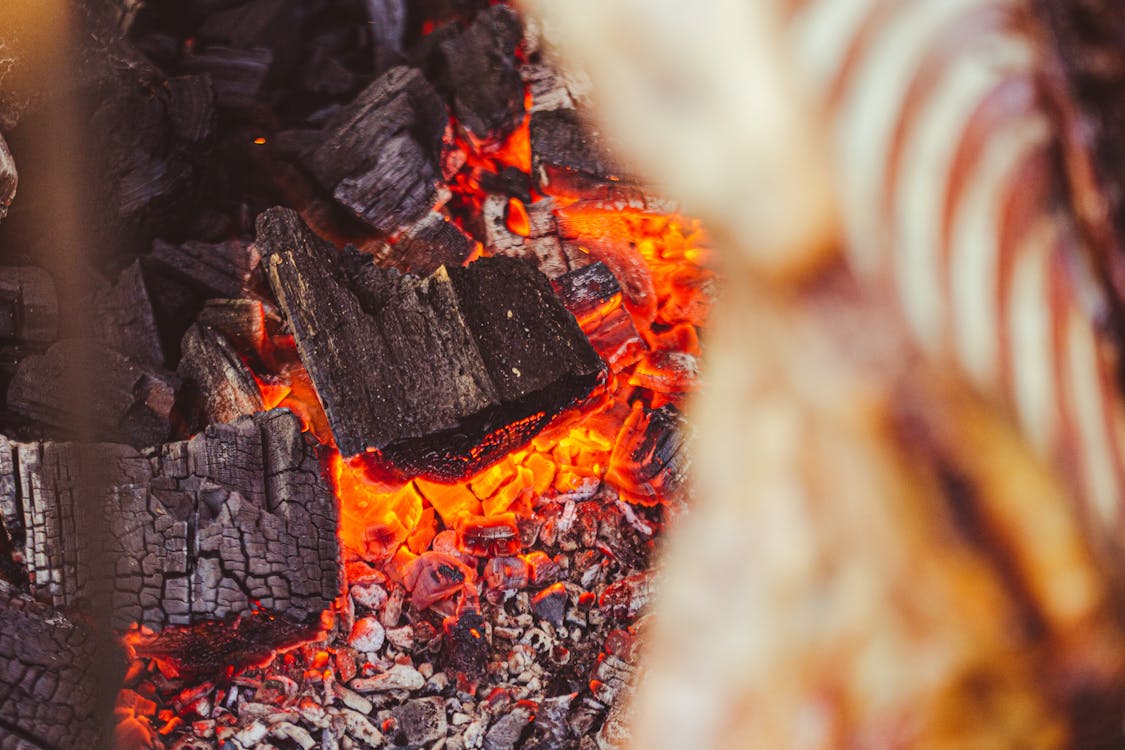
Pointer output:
221, 386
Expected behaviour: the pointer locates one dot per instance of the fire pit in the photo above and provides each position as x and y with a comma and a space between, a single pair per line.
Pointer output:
384, 420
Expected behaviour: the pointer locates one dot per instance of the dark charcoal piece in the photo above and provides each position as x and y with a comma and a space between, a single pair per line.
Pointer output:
48, 689
220, 383
191, 107
242, 322
567, 155
263, 24
480, 65
379, 156
236, 75
123, 318
440, 375
227, 269
29, 307
594, 296
197, 530
9, 178
431, 243
129, 402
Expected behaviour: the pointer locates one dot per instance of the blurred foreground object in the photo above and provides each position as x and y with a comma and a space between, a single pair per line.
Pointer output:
878, 558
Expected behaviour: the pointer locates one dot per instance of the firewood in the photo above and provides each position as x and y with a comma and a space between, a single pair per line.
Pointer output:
220, 384
131, 402
226, 269
439, 375
29, 307
379, 156
50, 690
238, 516
123, 318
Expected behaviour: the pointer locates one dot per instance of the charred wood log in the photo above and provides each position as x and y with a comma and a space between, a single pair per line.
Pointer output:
430, 243
242, 322
123, 318
379, 156
570, 156
237, 75
29, 307
479, 66
226, 269
9, 178
238, 516
438, 375
594, 297
48, 688
221, 386
130, 402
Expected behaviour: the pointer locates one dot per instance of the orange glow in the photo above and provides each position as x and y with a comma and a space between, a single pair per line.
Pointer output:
517, 220
259, 141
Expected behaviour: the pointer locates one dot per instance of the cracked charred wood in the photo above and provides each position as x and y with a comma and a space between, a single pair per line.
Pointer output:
379, 156
48, 687
593, 295
123, 318
237, 75
9, 178
649, 461
430, 243
219, 385
130, 402
479, 67
204, 529
225, 269
538, 242
29, 306
438, 375
570, 156
242, 322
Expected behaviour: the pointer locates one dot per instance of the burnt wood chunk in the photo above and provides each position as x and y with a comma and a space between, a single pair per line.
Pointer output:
541, 246
196, 530
430, 243
237, 75
379, 156
438, 375
226, 269
569, 156
9, 178
49, 694
220, 385
650, 462
129, 401
241, 321
480, 65
29, 306
123, 318
594, 296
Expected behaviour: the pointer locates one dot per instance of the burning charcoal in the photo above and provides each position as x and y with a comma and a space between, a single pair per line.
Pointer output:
420, 722
367, 635
551, 721
448, 374
625, 599
50, 688
9, 178
219, 381
357, 726
593, 295
506, 573
371, 595
352, 699
506, 731
130, 402
480, 66
649, 460
466, 649
237, 75
585, 291
489, 536
568, 156
532, 237
29, 308
123, 318
667, 372
379, 156
431, 242
227, 269
550, 604
434, 576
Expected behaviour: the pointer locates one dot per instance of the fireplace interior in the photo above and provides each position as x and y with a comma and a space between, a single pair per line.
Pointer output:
345, 409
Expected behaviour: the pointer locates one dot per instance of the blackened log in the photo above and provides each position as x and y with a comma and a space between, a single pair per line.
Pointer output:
226, 269
49, 692
650, 460
130, 402
264, 24
220, 385
29, 307
123, 318
430, 243
9, 178
379, 156
197, 530
593, 295
242, 322
237, 75
440, 375
569, 156
480, 67
191, 107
